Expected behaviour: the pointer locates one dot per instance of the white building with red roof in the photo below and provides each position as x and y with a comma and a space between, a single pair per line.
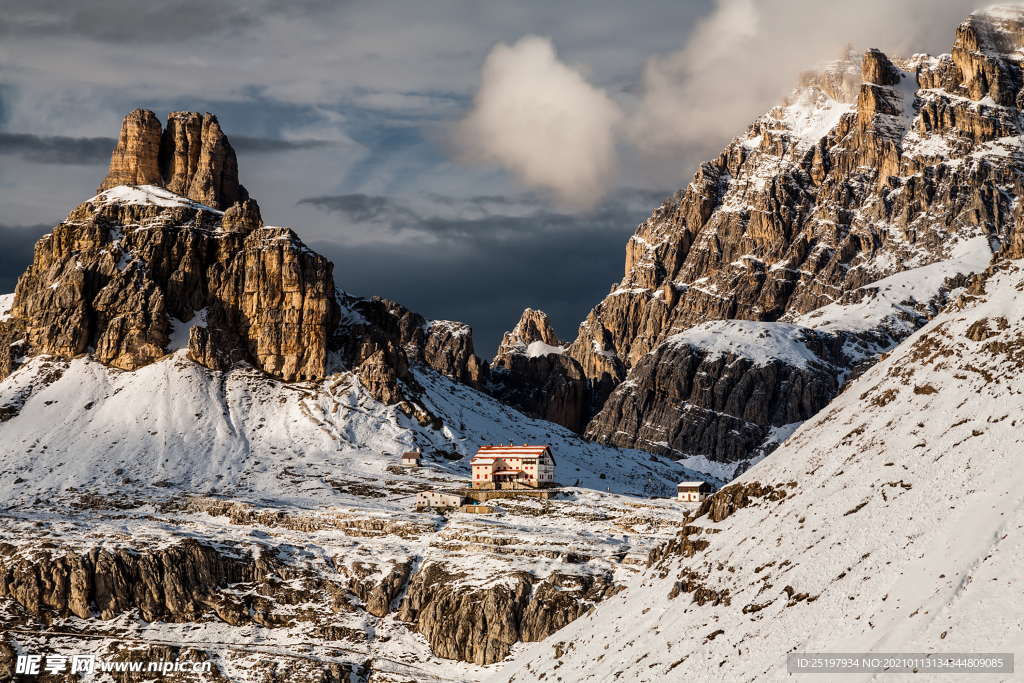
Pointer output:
506, 467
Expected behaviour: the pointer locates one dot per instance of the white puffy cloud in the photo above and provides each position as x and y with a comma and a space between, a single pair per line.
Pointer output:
540, 119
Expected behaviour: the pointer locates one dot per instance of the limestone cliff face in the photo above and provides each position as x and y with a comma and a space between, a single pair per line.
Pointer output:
873, 166
532, 373
118, 277
179, 583
128, 268
135, 159
481, 625
986, 51
682, 399
192, 158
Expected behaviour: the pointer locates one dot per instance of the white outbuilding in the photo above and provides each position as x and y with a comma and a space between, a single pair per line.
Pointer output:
438, 500
693, 491
411, 458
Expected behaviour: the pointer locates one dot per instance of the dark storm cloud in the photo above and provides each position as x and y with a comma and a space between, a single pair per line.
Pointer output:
166, 21
81, 151
57, 149
16, 249
361, 208
485, 270
243, 144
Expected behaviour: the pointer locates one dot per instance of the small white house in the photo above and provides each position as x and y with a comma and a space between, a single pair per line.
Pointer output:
693, 491
411, 458
437, 499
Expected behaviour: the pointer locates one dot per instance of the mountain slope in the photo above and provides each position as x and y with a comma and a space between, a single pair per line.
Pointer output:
893, 521
200, 448
872, 168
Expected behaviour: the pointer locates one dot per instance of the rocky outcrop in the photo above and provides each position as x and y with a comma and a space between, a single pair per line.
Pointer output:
378, 376
243, 217
986, 51
278, 297
114, 275
682, 401
135, 159
215, 180
378, 595
383, 338
851, 181
448, 348
878, 70
533, 326
180, 147
179, 583
191, 158
532, 373
736, 497
481, 625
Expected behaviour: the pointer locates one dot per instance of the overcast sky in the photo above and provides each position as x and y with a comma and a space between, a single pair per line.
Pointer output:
466, 159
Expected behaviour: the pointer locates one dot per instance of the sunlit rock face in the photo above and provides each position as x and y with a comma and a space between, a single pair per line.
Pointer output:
873, 167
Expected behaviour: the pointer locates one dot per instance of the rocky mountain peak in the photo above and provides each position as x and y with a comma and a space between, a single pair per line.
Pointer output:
191, 158
987, 52
533, 326
533, 373
876, 68
134, 160
871, 168
150, 266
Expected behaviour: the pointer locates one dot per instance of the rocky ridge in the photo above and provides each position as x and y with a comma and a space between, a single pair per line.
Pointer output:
151, 258
532, 372
888, 521
871, 169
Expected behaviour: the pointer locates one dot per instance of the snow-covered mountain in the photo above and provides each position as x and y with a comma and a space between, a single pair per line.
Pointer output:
853, 211
892, 521
200, 448
200, 435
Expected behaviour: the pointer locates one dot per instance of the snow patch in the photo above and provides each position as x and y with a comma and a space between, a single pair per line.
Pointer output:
6, 304
539, 348
147, 194
181, 331
762, 343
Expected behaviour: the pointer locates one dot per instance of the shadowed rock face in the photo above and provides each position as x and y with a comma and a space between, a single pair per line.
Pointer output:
191, 158
482, 625
177, 584
681, 400
789, 219
539, 380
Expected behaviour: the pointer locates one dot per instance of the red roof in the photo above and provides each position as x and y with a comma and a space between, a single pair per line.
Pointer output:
487, 454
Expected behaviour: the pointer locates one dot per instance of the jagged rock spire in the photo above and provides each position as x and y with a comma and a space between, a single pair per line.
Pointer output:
192, 158
134, 161
532, 326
